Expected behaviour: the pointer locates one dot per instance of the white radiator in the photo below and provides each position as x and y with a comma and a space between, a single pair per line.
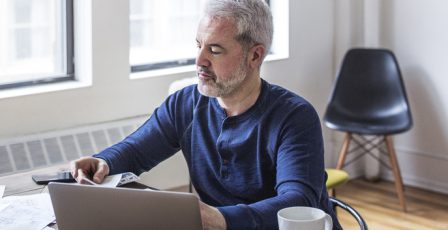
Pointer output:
45, 149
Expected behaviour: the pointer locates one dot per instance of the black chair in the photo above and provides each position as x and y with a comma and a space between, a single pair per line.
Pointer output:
369, 103
338, 203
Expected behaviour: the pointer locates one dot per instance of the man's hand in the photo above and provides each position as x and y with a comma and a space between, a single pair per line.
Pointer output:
212, 219
90, 168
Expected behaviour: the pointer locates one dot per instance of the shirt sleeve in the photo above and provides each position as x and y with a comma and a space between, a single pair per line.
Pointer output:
156, 140
300, 174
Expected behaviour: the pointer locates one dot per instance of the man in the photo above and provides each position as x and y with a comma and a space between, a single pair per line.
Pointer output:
252, 148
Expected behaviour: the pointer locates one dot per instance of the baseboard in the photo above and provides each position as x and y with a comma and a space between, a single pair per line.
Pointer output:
422, 183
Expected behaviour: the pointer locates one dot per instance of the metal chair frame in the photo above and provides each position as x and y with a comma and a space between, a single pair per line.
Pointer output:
338, 203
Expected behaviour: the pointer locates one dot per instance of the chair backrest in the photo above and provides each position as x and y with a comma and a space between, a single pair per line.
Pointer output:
369, 96
338, 203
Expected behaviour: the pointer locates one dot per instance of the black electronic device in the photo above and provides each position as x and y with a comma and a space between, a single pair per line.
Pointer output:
64, 176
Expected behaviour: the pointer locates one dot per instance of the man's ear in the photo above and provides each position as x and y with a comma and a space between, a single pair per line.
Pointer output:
255, 55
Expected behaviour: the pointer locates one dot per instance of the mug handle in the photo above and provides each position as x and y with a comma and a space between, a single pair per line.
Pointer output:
328, 222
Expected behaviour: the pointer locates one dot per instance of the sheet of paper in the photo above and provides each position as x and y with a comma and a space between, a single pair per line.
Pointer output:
33, 212
3, 206
111, 181
114, 180
2, 190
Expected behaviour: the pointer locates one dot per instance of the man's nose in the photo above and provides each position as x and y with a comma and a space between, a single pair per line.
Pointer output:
202, 59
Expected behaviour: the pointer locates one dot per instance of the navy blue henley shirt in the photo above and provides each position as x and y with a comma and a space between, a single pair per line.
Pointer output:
249, 166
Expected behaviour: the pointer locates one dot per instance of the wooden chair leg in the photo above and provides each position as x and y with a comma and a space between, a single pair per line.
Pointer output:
396, 170
344, 150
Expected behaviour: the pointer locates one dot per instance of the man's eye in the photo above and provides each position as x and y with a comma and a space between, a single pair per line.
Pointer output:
215, 50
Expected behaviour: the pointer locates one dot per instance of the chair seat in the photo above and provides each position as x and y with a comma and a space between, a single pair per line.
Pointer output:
337, 120
335, 178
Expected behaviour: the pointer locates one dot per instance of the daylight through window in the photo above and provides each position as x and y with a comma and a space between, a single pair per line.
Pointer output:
35, 41
162, 33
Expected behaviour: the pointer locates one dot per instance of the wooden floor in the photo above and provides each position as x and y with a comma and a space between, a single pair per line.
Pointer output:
378, 204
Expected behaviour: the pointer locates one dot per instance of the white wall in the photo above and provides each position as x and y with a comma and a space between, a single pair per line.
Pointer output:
112, 95
320, 33
417, 33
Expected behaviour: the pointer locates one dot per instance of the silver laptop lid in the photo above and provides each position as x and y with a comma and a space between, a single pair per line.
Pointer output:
95, 208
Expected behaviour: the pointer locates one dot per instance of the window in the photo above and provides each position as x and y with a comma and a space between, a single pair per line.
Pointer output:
36, 42
162, 33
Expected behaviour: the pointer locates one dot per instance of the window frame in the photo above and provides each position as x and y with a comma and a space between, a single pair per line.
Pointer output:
68, 11
167, 64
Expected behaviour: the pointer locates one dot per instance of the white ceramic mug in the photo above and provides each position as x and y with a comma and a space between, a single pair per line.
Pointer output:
304, 218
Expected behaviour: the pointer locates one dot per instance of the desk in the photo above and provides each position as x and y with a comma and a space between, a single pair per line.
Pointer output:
22, 183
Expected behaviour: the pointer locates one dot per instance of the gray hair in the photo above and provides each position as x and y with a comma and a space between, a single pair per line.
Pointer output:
253, 19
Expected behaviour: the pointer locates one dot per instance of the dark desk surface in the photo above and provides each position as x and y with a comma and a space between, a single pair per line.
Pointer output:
21, 183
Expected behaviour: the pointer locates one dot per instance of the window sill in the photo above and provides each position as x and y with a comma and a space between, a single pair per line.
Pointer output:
188, 69
38, 89
276, 57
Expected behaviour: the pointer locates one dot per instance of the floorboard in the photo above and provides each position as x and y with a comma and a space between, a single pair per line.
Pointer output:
378, 204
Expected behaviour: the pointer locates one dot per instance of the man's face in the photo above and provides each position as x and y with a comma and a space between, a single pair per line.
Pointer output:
221, 60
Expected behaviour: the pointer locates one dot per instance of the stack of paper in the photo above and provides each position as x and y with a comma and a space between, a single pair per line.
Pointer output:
33, 212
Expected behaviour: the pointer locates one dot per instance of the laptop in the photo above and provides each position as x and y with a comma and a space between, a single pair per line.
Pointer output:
90, 207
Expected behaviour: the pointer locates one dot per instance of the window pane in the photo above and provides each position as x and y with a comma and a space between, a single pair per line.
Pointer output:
163, 31
23, 11
32, 40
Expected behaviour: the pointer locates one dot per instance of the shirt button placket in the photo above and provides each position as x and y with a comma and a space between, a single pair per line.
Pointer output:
223, 151
225, 169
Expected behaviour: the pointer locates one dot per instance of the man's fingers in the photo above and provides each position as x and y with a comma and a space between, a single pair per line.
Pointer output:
79, 164
86, 166
84, 180
101, 172
80, 174
98, 177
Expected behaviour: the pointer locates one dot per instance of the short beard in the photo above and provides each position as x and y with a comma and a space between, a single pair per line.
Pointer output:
213, 88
